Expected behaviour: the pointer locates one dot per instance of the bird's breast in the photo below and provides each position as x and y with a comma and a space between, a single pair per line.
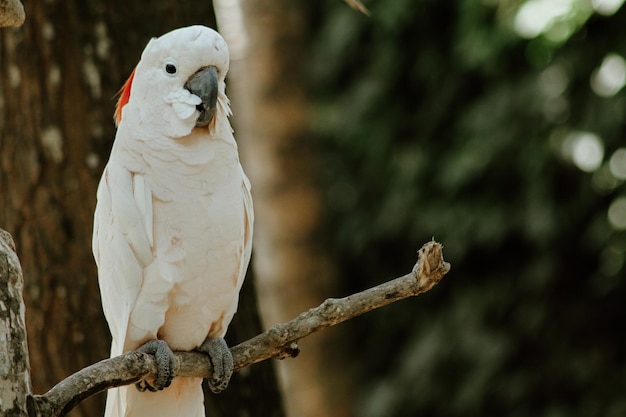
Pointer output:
199, 221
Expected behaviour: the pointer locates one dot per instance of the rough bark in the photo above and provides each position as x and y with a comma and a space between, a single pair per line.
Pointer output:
278, 342
14, 364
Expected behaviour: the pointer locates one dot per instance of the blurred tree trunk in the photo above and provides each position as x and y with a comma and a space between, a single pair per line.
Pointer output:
50, 123
269, 45
58, 75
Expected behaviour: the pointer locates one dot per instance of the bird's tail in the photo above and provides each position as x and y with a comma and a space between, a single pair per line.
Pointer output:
184, 398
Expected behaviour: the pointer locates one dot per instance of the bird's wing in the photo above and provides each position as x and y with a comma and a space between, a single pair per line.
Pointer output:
248, 227
122, 241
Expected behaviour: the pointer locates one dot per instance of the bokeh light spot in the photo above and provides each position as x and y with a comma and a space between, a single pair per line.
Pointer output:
617, 213
606, 7
607, 80
585, 149
537, 16
617, 164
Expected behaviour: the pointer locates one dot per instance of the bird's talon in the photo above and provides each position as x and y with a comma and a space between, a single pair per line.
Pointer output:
165, 365
222, 361
145, 387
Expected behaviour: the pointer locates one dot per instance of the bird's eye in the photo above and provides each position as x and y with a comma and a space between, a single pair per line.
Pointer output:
170, 69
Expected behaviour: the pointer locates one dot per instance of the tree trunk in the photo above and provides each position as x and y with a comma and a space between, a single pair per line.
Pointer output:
14, 366
50, 123
268, 40
59, 73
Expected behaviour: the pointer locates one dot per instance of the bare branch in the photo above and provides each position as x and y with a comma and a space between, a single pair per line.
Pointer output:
357, 5
278, 342
11, 13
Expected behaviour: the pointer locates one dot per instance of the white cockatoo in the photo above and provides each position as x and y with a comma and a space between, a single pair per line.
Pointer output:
173, 223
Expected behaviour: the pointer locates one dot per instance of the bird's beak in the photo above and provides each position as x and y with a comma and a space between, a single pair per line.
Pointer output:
203, 83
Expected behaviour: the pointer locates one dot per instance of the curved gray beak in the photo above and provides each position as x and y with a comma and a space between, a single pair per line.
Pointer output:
203, 83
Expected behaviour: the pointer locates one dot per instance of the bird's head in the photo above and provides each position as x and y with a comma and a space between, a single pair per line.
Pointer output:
178, 83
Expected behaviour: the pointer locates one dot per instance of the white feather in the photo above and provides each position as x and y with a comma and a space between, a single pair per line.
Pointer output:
143, 198
183, 102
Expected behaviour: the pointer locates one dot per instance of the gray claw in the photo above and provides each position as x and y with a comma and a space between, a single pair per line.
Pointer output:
222, 362
165, 365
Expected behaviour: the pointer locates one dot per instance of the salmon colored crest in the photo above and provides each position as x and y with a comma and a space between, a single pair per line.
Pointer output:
124, 94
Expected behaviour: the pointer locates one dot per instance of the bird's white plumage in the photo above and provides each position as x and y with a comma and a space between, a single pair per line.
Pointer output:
173, 224
184, 103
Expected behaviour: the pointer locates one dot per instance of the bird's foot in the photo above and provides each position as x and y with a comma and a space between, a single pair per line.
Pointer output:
222, 362
165, 365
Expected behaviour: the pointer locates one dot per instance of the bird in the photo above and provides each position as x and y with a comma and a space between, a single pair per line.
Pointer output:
173, 223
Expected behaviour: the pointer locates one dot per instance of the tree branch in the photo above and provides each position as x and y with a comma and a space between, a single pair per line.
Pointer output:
278, 342
11, 13
357, 5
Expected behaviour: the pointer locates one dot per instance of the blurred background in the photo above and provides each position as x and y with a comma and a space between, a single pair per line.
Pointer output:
495, 126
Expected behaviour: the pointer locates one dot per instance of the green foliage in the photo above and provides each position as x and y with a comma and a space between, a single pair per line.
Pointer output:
436, 119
